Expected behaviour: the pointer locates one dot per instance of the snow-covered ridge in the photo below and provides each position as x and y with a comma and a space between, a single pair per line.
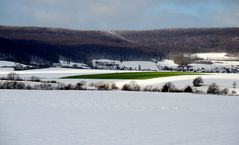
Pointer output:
113, 34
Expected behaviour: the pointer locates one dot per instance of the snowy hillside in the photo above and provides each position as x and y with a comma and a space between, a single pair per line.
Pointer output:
10, 64
117, 118
7, 64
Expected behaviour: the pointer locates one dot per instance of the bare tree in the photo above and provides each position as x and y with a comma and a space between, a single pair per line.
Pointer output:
132, 86
114, 86
234, 92
234, 84
13, 76
103, 86
168, 87
197, 82
35, 79
188, 89
224, 91
213, 89
81, 85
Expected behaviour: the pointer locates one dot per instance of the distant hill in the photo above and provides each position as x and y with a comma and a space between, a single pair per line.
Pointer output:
48, 45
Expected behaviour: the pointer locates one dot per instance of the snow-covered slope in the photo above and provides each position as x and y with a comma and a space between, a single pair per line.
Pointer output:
117, 118
7, 63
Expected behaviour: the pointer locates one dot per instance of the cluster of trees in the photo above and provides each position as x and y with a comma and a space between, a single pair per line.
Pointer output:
14, 85
170, 87
167, 87
213, 88
186, 40
16, 77
45, 54
82, 85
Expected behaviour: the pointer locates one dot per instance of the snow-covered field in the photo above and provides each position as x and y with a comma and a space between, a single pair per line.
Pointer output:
143, 64
55, 73
134, 65
214, 56
117, 118
216, 65
224, 80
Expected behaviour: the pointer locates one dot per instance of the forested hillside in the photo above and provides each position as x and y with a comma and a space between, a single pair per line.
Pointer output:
48, 45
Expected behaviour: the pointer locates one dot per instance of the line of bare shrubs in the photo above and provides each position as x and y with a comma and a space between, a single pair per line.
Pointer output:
215, 90
13, 85
212, 88
82, 85
13, 81
12, 76
16, 77
132, 86
168, 87
105, 86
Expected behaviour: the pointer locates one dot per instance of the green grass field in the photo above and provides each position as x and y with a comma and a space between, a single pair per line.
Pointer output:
132, 75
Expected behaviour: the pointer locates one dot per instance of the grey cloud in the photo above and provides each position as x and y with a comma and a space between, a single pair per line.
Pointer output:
118, 14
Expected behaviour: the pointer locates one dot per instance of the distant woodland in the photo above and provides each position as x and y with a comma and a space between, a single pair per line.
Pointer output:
36, 45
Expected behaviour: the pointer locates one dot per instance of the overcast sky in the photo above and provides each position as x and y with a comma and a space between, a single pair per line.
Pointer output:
120, 14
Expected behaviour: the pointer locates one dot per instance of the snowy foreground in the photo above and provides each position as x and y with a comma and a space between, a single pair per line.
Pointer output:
117, 118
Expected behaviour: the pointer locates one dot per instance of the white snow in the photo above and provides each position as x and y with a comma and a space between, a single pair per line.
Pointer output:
207, 66
134, 65
145, 65
7, 63
224, 80
167, 63
117, 118
226, 63
4, 63
216, 65
55, 73
72, 64
214, 56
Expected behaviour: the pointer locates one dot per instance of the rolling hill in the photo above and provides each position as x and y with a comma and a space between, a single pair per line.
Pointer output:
47, 45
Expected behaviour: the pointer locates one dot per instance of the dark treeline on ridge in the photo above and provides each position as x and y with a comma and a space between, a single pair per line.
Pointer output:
48, 45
